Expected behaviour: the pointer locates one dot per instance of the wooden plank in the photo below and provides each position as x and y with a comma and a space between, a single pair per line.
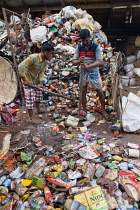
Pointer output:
94, 5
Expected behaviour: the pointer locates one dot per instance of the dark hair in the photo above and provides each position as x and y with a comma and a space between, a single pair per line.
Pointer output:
84, 33
47, 47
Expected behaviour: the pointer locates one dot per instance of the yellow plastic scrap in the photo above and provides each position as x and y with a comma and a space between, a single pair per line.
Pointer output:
54, 171
25, 168
26, 182
69, 136
25, 197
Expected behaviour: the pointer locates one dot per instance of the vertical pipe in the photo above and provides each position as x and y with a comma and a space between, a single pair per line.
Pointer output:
13, 53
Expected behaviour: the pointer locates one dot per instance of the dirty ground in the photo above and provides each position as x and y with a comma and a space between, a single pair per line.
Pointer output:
43, 130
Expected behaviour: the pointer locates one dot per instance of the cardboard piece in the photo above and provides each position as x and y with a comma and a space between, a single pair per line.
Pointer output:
92, 198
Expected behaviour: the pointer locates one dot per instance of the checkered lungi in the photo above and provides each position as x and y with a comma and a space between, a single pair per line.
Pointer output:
31, 95
92, 80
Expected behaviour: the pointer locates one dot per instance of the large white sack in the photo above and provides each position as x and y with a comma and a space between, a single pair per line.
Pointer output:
124, 80
138, 55
38, 34
129, 67
137, 71
131, 59
131, 114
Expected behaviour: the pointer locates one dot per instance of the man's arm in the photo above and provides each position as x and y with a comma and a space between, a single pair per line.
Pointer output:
41, 77
77, 60
98, 62
92, 65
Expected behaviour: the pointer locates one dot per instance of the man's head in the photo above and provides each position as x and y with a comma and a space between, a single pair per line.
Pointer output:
47, 51
85, 37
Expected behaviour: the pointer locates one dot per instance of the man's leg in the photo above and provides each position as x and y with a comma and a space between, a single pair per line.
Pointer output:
29, 98
30, 112
102, 101
37, 103
84, 99
38, 98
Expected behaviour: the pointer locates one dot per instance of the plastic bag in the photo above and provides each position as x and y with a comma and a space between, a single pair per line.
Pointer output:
68, 12
82, 23
17, 173
38, 34
104, 37
89, 17
7, 115
68, 25
79, 13
88, 152
56, 18
26, 156
1, 24
97, 26
20, 206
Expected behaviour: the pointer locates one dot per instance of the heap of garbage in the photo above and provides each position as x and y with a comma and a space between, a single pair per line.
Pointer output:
83, 171
87, 174
62, 31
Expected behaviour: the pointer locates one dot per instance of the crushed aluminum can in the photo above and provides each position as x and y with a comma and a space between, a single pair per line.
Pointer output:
38, 182
90, 117
62, 125
47, 153
55, 130
56, 116
100, 170
74, 112
51, 108
134, 153
58, 120
72, 121
87, 123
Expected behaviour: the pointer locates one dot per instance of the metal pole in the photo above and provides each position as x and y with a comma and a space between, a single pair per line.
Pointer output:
52, 93
80, 96
13, 53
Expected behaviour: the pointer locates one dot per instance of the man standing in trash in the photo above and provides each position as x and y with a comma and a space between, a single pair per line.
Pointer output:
31, 71
89, 56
